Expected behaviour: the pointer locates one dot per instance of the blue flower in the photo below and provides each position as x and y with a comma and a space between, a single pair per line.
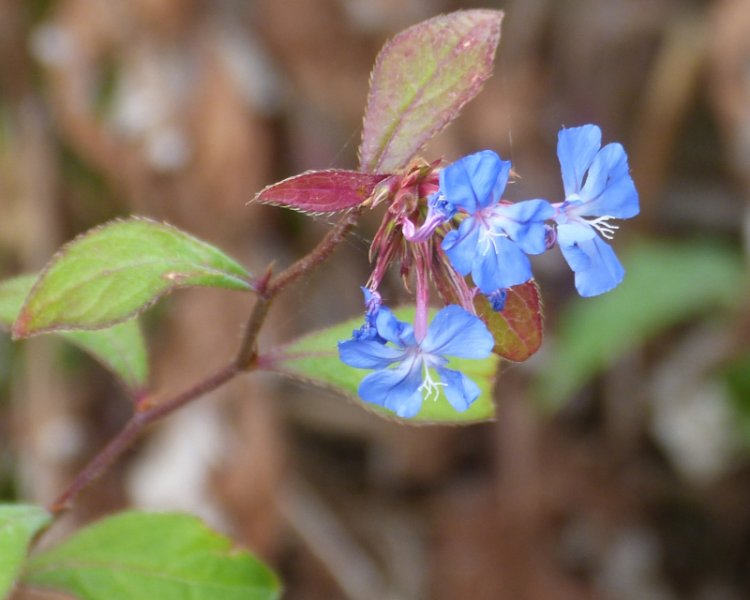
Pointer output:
368, 331
493, 241
402, 375
598, 188
439, 211
497, 299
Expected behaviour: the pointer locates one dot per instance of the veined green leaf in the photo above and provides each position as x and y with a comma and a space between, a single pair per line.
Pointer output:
421, 80
121, 348
114, 272
314, 359
139, 556
19, 523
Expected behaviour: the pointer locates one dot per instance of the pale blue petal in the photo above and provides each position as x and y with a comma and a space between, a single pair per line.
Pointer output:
461, 245
393, 330
406, 409
609, 188
597, 269
475, 181
368, 354
524, 223
393, 388
456, 332
576, 148
528, 210
459, 389
503, 265
571, 233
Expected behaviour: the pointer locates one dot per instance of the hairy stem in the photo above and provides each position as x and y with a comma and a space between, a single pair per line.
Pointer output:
320, 253
147, 412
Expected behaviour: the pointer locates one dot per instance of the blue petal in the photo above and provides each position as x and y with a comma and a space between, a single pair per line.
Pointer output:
459, 389
595, 264
475, 181
368, 354
461, 245
393, 330
576, 148
395, 389
501, 265
437, 204
406, 409
456, 332
609, 188
573, 232
524, 223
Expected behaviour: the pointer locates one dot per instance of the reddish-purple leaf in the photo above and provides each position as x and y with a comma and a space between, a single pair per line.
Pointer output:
518, 327
321, 191
421, 80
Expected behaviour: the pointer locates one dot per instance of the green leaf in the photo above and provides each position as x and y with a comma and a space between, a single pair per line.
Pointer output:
19, 523
421, 80
113, 272
314, 359
737, 380
121, 348
139, 556
665, 284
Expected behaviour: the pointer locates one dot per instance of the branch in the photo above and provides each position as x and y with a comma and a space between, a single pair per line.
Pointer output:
244, 361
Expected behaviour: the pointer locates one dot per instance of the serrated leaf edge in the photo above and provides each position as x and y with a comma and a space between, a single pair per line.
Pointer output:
475, 88
18, 331
256, 199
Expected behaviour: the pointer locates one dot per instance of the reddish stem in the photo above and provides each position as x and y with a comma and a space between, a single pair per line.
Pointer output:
422, 293
245, 360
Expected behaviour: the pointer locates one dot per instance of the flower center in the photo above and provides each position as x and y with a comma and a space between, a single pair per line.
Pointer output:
574, 204
488, 234
603, 226
430, 386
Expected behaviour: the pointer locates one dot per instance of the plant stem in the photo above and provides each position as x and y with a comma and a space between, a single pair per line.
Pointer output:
132, 430
147, 413
423, 294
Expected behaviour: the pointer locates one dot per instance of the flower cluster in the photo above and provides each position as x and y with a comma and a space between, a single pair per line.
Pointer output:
458, 224
453, 332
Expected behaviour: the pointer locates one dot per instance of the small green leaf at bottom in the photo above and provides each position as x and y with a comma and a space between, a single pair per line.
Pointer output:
314, 359
140, 556
19, 523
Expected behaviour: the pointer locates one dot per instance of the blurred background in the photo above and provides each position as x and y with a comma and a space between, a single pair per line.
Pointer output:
619, 464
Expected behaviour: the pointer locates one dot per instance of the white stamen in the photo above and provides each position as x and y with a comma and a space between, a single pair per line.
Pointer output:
487, 238
431, 386
603, 226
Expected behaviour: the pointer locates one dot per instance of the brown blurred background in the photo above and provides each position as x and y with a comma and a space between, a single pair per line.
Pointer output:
629, 482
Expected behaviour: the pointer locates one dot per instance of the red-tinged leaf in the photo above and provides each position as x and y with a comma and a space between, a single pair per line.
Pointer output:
321, 191
518, 327
421, 80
